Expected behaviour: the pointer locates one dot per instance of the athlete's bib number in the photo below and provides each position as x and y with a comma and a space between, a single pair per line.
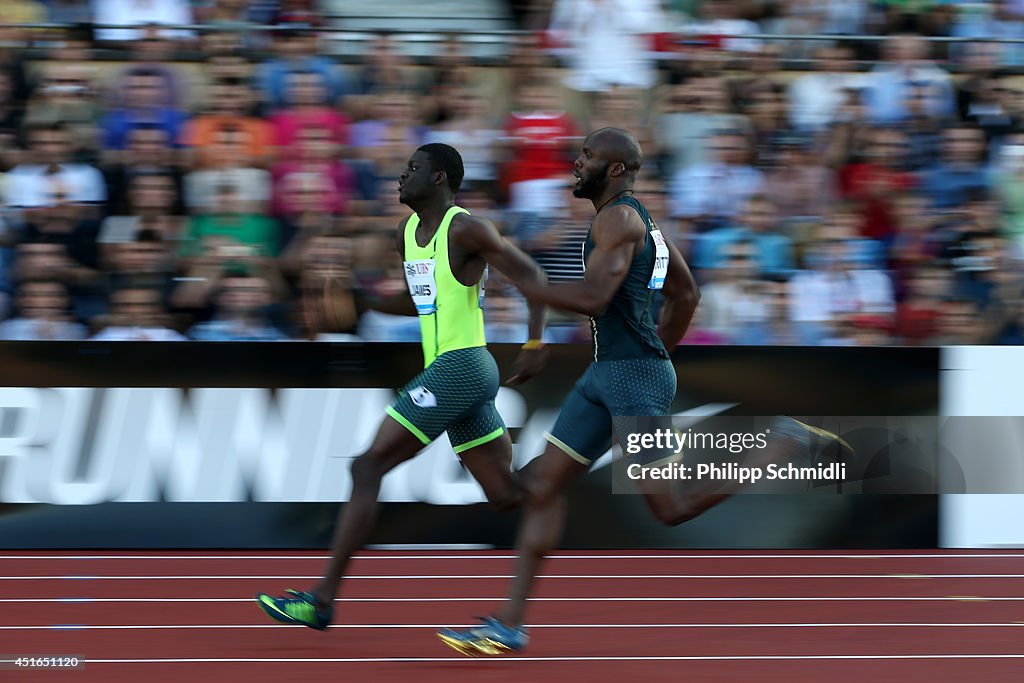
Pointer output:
657, 280
483, 286
420, 277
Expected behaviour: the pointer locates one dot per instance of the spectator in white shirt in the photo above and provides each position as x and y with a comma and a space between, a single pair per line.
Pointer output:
49, 173
721, 21
815, 98
592, 27
844, 17
712, 193
835, 287
471, 130
732, 301
42, 313
890, 85
132, 14
138, 314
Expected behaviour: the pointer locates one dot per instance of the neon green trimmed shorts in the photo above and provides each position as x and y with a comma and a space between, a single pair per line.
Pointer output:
454, 394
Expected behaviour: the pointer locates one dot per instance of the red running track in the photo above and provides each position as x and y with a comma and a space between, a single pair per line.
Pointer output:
600, 616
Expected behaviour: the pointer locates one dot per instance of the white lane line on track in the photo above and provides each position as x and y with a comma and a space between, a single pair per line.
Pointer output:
503, 660
855, 598
161, 627
457, 556
463, 577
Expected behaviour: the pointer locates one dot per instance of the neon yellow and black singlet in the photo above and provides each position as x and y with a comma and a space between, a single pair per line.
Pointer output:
450, 312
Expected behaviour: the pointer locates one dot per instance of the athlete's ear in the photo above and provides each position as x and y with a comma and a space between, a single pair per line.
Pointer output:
618, 168
440, 178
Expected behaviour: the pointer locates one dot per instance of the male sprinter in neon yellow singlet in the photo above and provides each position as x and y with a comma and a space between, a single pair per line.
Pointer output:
445, 252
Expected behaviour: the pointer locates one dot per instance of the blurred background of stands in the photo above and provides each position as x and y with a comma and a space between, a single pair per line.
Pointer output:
836, 172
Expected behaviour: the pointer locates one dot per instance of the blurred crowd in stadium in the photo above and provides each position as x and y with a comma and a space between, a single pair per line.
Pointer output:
219, 183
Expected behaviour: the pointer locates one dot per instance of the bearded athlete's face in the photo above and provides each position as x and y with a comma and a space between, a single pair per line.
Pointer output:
591, 171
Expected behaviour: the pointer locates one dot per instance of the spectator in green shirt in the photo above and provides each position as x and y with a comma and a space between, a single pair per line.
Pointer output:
255, 233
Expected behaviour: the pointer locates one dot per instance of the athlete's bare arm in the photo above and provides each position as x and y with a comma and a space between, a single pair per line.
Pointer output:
681, 297
478, 237
397, 304
617, 232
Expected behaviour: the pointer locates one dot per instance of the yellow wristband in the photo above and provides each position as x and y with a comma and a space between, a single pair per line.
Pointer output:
533, 344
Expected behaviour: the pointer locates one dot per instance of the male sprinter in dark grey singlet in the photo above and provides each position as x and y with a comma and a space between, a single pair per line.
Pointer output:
627, 262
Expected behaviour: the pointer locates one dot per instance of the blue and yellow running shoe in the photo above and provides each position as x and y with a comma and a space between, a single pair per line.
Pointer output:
826, 445
299, 609
491, 638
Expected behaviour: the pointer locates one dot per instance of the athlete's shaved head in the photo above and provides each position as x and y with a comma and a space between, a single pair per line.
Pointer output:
618, 145
608, 163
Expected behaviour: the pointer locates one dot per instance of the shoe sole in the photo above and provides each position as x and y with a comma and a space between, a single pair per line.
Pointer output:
476, 648
825, 434
460, 646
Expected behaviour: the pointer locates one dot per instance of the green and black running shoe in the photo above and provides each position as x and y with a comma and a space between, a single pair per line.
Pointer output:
300, 608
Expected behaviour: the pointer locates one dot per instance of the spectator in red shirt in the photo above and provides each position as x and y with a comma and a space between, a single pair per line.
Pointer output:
540, 136
919, 315
876, 181
309, 107
315, 179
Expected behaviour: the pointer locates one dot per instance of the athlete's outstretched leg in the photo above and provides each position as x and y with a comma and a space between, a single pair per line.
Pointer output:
393, 445
458, 386
674, 502
546, 479
579, 436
